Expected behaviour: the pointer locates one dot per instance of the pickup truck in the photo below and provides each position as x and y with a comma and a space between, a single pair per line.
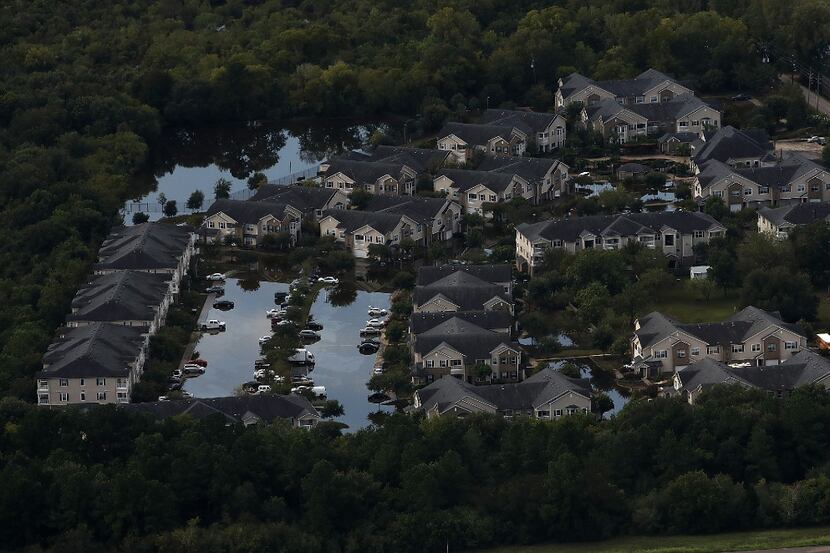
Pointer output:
213, 324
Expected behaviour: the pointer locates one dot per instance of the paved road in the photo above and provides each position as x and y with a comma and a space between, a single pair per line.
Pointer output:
823, 104
812, 549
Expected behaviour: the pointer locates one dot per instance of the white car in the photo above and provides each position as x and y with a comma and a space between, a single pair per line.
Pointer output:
213, 324
377, 311
192, 366
187, 395
163, 398
328, 280
376, 323
319, 391
263, 389
817, 139
275, 313
264, 340
377, 370
216, 277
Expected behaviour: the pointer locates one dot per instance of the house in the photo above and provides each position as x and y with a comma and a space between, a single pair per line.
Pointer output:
780, 221
461, 291
461, 349
437, 219
802, 369
157, 248
624, 122
250, 222
473, 189
650, 87
632, 170
791, 180
236, 410
548, 177
699, 272
499, 274
94, 363
311, 201
127, 298
373, 176
462, 139
546, 395
677, 143
497, 321
675, 233
735, 148
422, 160
751, 336
545, 131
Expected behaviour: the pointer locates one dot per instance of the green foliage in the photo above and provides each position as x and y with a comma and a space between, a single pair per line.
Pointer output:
222, 188
196, 200
360, 198
170, 208
140, 217
778, 289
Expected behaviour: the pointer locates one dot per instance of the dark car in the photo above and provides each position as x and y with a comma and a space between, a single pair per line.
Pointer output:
223, 305
368, 348
279, 297
314, 325
741, 98
218, 290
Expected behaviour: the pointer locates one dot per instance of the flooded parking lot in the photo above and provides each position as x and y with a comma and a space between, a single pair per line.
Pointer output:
340, 367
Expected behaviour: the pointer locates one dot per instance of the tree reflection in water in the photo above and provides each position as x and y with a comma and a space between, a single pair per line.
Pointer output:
344, 294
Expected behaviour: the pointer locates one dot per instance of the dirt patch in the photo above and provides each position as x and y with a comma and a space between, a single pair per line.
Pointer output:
807, 149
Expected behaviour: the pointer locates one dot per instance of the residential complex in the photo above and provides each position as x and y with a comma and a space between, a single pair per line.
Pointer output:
675, 233
649, 87
780, 221
750, 337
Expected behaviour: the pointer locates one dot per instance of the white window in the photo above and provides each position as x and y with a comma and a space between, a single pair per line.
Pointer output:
653, 99
557, 413
472, 197
83, 382
122, 396
712, 349
763, 190
482, 197
668, 239
557, 243
492, 197
747, 191
42, 383
63, 397
786, 188
790, 345
43, 399
430, 364
102, 396
698, 234
695, 351
737, 348
681, 353
121, 383
801, 188
101, 381
719, 193
221, 225
772, 347
442, 363
63, 382
358, 237
684, 124
662, 354
455, 362
83, 396
755, 348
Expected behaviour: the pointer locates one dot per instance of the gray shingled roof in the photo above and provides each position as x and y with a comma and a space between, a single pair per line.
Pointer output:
302, 198
420, 159
120, 296
95, 350
529, 168
365, 172
781, 173
465, 290
467, 338
683, 137
491, 273
476, 134
730, 143
491, 320
530, 122
422, 210
620, 87
144, 247
464, 179
797, 214
569, 229
246, 212
353, 219
267, 408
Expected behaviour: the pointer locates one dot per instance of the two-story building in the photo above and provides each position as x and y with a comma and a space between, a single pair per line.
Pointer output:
548, 177
311, 201
804, 368
93, 363
497, 321
157, 248
462, 139
752, 336
474, 189
649, 87
545, 131
500, 274
780, 221
792, 180
436, 219
461, 291
674, 233
547, 395
376, 177
736, 148
250, 222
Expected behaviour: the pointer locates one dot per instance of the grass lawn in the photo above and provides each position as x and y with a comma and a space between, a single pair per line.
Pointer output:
688, 308
736, 541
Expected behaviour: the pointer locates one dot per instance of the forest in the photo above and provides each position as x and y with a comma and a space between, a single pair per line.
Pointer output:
106, 480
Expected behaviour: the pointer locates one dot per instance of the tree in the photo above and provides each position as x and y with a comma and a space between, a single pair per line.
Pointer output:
715, 208
703, 287
140, 217
778, 289
222, 188
196, 200
825, 155
811, 247
331, 409
170, 208
256, 180
360, 198
482, 371
161, 199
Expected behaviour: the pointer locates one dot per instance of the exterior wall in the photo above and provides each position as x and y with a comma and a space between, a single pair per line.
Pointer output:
740, 192
588, 96
115, 390
701, 119
222, 223
340, 182
457, 148
436, 305
558, 407
473, 202
330, 227
665, 91
363, 238
552, 137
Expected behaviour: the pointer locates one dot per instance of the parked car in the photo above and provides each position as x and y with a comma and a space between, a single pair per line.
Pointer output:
368, 348
279, 297
379, 323
319, 391
177, 373
264, 340
201, 362
275, 313
193, 370
218, 290
328, 280
174, 386
263, 389
741, 97
313, 325
308, 334
377, 370
216, 277
302, 381
261, 363
223, 304
371, 331
377, 311
186, 394
193, 366
164, 398
817, 140
213, 324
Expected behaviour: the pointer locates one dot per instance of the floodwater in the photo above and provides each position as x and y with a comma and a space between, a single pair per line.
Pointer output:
339, 366
194, 159
600, 381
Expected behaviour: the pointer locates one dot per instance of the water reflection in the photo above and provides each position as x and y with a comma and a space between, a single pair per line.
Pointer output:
600, 381
340, 367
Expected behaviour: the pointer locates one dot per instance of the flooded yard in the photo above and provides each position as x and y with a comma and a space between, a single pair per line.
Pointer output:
600, 381
339, 366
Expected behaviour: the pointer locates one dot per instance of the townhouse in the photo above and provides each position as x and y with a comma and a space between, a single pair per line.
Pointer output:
389, 221
547, 395
250, 222
735, 148
244, 410
157, 248
804, 368
422, 160
497, 321
791, 180
624, 122
461, 349
461, 291
500, 274
752, 336
780, 221
649, 87
545, 131
474, 189
674, 233
95, 363
548, 177
462, 139
376, 177
126, 298
675, 143
311, 201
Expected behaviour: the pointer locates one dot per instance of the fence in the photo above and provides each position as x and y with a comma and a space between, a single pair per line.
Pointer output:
145, 207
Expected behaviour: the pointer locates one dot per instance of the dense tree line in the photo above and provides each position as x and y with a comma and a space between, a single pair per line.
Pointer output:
102, 480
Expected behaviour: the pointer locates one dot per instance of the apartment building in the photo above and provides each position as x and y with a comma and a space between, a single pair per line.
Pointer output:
474, 189
461, 291
462, 139
548, 177
545, 131
675, 233
780, 221
649, 87
376, 177
249, 222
